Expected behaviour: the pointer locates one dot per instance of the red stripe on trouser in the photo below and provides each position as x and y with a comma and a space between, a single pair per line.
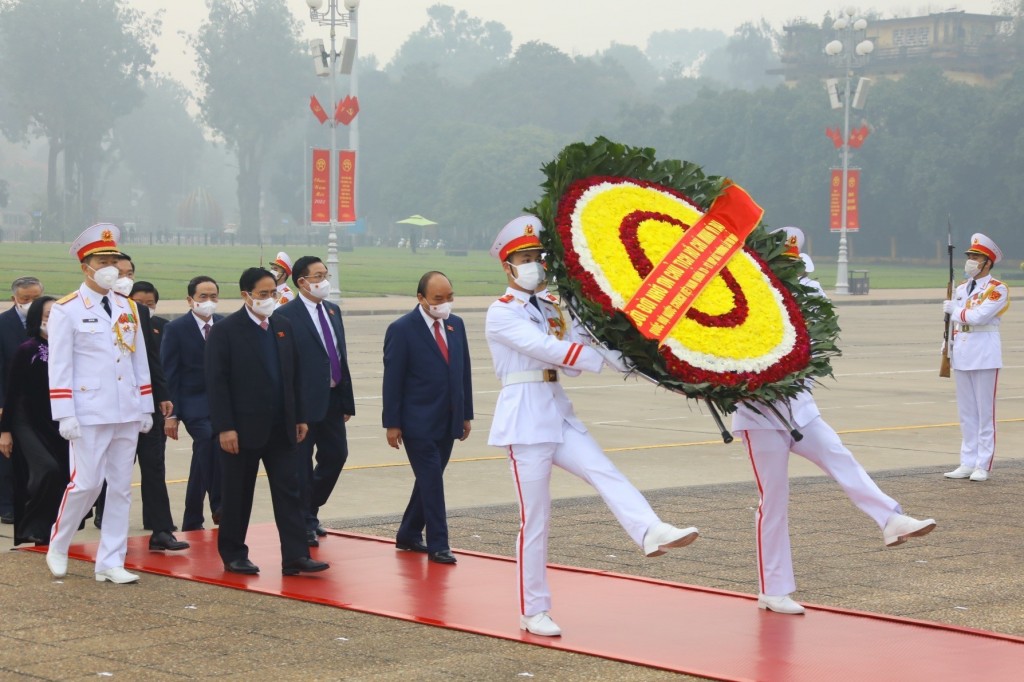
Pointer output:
67, 489
522, 531
993, 457
760, 501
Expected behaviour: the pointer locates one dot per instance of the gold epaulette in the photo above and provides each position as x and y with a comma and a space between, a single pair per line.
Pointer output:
69, 297
506, 298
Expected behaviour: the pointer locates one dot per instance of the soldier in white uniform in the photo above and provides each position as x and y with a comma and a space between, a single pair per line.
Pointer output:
100, 393
976, 356
768, 440
282, 269
531, 345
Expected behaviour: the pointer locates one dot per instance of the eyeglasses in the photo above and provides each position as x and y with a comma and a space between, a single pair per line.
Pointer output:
264, 295
319, 277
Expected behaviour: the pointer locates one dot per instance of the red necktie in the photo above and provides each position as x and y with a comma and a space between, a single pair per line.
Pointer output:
440, 339
264, 325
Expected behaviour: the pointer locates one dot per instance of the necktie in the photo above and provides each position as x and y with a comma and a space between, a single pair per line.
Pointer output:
332, 348
536, 304
264, 325
440, 339
206, 330
106, 306
970, 287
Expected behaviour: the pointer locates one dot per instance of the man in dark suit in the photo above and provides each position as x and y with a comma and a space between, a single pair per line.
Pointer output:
24, 290
428, 403
183, 353
257, 413
326, 386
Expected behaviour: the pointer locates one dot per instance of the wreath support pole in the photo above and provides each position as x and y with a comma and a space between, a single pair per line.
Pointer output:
797, 436
726, 436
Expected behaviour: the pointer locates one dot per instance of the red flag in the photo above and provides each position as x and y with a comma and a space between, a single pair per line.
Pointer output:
835, 135
347, 110
318, 111
858, 135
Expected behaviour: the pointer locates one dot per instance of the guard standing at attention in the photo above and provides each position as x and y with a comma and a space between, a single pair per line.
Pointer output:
281, 268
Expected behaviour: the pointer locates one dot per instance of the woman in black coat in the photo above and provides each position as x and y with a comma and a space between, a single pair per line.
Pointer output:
29, 435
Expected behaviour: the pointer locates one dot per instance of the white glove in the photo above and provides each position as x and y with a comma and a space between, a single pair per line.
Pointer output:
69, 428
948, 307
147, 423
614, 359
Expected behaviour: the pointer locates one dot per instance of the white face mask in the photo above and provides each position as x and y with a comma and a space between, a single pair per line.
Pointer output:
529, 275
105, 278
441, 311
972, 268
264, 307
23, 307
123, 285
319, 289
204, 308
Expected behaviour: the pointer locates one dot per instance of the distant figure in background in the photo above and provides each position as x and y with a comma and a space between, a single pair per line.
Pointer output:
183, 356
428, 403
24, 290
326, 385
282, 270
976, 355
30, 437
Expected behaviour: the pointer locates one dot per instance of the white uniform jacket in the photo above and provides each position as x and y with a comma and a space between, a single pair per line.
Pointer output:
800, 412
519, 339
284, 294
98, 370
974, 337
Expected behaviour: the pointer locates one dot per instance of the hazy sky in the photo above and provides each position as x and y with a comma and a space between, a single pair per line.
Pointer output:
573, 26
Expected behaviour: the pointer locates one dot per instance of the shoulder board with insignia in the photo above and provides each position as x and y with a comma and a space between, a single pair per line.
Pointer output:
996, 283
69, 297
552, 298
506, 298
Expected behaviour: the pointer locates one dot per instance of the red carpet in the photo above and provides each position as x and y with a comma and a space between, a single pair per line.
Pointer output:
704, 632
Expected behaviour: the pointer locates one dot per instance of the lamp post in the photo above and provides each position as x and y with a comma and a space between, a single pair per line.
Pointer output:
844, 52
332, 16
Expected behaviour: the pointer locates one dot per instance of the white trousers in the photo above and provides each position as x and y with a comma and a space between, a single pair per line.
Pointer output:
580, 455
976, 403
769, 455
104, 452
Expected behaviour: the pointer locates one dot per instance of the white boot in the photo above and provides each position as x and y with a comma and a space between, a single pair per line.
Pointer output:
900, 527
662, 537
540, 624
781, 604
117, 574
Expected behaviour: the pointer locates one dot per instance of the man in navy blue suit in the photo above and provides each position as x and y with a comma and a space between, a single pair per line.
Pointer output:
428, 403
182, 354
24, 290
326, 386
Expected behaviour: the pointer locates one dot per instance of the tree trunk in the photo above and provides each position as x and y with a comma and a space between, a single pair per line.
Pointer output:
248, 195
52, 201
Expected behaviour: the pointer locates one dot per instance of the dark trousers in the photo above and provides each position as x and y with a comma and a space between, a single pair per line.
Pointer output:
156, 504
6, 487
41, 472
426, 504
204, 476
331, 441
281, 463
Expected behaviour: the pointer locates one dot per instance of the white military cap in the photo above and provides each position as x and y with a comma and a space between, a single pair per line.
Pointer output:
284, 262
986, 247
521, 234
101, 238
794, 240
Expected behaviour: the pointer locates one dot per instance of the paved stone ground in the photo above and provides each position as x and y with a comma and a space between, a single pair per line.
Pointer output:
969, 572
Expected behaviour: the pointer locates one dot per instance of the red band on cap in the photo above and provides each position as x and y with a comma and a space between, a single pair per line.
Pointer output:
978, 248
527, 241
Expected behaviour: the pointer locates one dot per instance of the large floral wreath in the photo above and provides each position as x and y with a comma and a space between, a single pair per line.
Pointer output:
754, 332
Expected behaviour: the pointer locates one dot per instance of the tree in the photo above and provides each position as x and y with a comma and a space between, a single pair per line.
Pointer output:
70, 69
251, 66
744, 61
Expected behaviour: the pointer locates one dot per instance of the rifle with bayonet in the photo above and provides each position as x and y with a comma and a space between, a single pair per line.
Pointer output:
944, 365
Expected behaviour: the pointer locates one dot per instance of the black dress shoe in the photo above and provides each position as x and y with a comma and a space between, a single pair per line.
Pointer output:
191, 528
311, 539
445, 556
164, 540
243, 566
216, 517
304, 565
320, 530
410, 547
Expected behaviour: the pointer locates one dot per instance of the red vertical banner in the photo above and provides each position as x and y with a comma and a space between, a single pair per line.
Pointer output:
851, 196
320, 206
346, 186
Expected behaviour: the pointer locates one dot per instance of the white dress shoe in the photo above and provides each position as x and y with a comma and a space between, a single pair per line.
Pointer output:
540, 624
662, 537
781, 604
960, 472
57, 563
117, 574
900, 527
979, 475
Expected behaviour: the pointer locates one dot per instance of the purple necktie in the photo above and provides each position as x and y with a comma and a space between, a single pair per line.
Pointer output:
332, 349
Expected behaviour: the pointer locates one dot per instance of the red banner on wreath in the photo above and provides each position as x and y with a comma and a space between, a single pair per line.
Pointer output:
320, 207
671, 287
851, 196
346, 186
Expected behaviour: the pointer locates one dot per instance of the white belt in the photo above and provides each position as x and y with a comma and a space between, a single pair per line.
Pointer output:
972, 328
530, 376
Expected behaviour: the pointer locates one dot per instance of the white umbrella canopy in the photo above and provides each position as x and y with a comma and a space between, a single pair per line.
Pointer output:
417, 220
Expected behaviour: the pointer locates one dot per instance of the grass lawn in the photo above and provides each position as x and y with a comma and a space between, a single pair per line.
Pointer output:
370, 271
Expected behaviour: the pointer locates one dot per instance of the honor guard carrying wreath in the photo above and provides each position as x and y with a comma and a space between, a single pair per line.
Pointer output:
534, 420
975, 355
100, 394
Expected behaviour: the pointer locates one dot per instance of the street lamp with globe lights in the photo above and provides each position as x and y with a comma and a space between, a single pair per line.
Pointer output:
846, 52
332, 16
